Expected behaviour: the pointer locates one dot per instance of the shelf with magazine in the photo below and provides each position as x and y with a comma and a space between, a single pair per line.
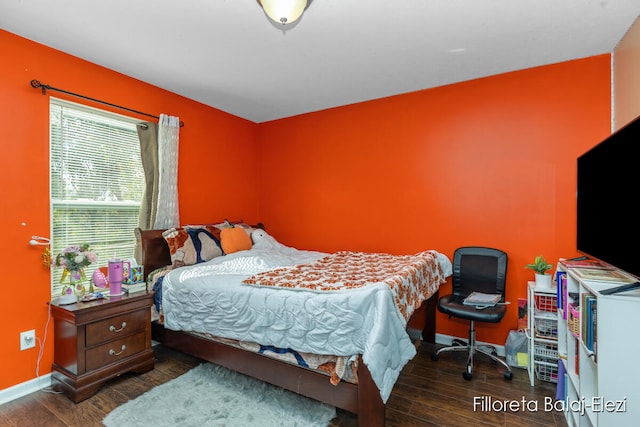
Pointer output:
597, 375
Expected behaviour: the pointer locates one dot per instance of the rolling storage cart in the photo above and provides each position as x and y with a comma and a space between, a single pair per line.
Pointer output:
542, 332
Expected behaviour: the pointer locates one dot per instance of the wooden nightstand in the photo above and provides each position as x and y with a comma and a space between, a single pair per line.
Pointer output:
99, 340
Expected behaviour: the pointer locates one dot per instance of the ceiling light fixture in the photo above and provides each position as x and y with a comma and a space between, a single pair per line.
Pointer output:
283, 11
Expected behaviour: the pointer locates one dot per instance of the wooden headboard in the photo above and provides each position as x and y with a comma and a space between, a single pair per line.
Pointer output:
152, 249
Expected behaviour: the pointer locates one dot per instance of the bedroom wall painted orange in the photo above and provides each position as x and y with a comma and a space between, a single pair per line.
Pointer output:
482, 162
485, 162
208, 187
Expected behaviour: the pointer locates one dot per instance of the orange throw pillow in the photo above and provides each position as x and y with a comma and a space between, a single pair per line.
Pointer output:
234, 239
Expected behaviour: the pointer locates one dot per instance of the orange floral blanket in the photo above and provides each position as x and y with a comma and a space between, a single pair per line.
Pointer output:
411, 278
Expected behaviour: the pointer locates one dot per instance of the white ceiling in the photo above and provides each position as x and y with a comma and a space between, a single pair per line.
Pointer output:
227, 54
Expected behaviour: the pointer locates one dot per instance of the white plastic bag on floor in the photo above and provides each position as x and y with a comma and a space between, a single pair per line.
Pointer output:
517, 349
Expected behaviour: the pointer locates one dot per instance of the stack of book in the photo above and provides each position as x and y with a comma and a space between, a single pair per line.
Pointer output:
585, 263
134, 287
602, 275
481, 300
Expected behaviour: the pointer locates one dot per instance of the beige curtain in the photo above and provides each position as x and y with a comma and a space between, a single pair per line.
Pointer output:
167, 212
159, 153
148, 135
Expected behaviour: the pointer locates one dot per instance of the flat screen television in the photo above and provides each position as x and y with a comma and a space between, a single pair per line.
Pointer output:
607, 216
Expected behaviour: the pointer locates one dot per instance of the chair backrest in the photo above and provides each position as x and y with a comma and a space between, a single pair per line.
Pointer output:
479, 269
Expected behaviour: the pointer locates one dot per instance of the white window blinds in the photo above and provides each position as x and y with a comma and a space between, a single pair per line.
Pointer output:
97, 183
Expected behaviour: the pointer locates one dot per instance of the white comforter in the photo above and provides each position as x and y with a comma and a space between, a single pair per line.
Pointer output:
211, 298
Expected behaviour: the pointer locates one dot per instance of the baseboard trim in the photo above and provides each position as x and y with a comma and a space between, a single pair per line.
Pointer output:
446, 340
22, 389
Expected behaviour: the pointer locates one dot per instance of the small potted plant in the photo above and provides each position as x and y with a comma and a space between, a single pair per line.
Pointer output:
541, 266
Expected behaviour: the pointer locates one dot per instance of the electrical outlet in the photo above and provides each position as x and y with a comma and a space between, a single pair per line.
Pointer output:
27, 339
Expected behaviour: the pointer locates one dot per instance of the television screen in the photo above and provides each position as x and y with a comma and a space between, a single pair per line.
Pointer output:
608, 183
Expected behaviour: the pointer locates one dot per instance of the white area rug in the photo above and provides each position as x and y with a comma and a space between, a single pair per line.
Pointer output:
210, 395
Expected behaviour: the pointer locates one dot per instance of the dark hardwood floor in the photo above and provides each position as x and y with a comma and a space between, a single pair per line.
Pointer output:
427, 393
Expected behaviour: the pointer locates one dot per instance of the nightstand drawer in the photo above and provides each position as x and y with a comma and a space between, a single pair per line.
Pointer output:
115, 327
115, 350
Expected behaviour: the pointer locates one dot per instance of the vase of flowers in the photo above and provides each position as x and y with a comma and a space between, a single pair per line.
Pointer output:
74, 259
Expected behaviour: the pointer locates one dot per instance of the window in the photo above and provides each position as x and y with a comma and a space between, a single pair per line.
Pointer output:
97, 183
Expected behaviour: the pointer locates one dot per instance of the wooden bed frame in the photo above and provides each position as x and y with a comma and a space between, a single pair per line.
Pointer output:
362, 399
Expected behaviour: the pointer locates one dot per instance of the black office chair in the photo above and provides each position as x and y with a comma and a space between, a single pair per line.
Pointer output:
483, 270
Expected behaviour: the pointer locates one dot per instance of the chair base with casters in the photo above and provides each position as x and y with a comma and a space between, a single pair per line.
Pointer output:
472, 348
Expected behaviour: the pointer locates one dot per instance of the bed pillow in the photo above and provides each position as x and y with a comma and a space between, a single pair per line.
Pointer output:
234, 239
192, 244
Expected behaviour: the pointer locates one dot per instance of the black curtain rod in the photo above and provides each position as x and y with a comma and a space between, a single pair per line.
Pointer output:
36, 84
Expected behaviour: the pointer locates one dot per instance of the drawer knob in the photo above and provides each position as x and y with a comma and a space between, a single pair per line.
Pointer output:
113, 328
112, 352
